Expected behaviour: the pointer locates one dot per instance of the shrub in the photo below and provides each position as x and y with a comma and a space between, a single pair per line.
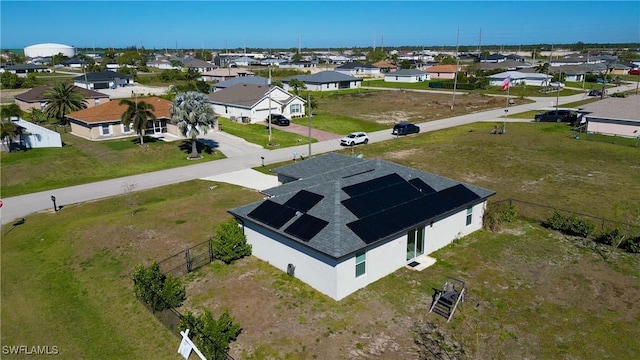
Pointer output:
632, 245
155, 289
509, 213
230, 243
570, 225
611, 237
491, 220
211, 336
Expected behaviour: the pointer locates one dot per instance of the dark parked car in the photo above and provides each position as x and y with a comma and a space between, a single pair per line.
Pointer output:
405, 128
279, 120
557, 116
595, 92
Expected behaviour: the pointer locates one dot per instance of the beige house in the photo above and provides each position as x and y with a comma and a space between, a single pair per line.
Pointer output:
223, 74
613, 116
35, 98
442, 71
103, 122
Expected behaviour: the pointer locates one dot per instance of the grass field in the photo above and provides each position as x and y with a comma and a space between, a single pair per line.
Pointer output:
66, 276
82, 161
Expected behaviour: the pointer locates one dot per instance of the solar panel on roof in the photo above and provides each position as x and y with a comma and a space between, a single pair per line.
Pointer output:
381, 199
422, 186
458, 195
372, 185
306, 227
272, 214
380, 225
303, 201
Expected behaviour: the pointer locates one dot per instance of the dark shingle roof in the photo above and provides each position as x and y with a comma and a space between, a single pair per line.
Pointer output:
327, 175
37, 94
322, 77
255, 80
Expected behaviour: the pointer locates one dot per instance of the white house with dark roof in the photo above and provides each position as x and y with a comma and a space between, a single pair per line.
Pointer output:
406, 76
22, 70
355, 68
250, 102
325, 81
103, 80
339, 223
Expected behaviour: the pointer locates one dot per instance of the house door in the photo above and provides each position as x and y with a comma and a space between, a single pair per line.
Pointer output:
415, 243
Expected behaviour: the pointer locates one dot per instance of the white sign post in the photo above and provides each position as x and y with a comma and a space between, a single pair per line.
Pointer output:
186, 345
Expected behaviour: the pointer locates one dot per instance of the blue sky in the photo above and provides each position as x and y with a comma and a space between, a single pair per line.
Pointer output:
316, 24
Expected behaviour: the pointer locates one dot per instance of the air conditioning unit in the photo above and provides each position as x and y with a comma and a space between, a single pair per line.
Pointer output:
291, 269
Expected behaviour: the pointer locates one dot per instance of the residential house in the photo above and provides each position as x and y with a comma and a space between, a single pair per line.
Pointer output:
406, 76
385, 66
200, 65
614, 116
74, 63
103, 80
504, 65
340, 223
301, 65
251, 103
222, 74
244, 61
518, 77
443, 71
494, 58
356, 68
104, 122
256, 80
35, 98
325, 81
32, 136
22, 70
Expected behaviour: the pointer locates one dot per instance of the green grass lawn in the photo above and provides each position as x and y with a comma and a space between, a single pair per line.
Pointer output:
259, 134
82, 161
66, 276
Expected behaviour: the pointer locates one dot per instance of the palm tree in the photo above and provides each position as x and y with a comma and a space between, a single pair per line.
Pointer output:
8, 130
137, 114
193, 116
62, 99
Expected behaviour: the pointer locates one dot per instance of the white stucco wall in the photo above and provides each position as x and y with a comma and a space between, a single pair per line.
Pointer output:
338, 279
627, 129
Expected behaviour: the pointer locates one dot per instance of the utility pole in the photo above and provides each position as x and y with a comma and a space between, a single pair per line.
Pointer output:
455, 76
309, 117
269, 94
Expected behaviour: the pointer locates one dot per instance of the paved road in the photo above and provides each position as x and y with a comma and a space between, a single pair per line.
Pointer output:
240, 155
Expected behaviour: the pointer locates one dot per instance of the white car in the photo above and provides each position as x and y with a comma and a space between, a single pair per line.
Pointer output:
354, 139
556, 85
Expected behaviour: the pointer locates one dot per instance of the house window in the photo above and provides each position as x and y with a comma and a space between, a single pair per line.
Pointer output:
126, 127
361, 263
296, 108
469, 215
104, 128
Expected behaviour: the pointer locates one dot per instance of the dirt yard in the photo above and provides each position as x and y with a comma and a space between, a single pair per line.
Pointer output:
389, 107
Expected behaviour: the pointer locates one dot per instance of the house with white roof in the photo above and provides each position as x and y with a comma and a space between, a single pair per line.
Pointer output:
340, 223
517, 77
406, 76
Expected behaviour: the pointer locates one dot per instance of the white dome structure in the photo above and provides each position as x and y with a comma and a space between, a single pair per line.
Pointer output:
46, 50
